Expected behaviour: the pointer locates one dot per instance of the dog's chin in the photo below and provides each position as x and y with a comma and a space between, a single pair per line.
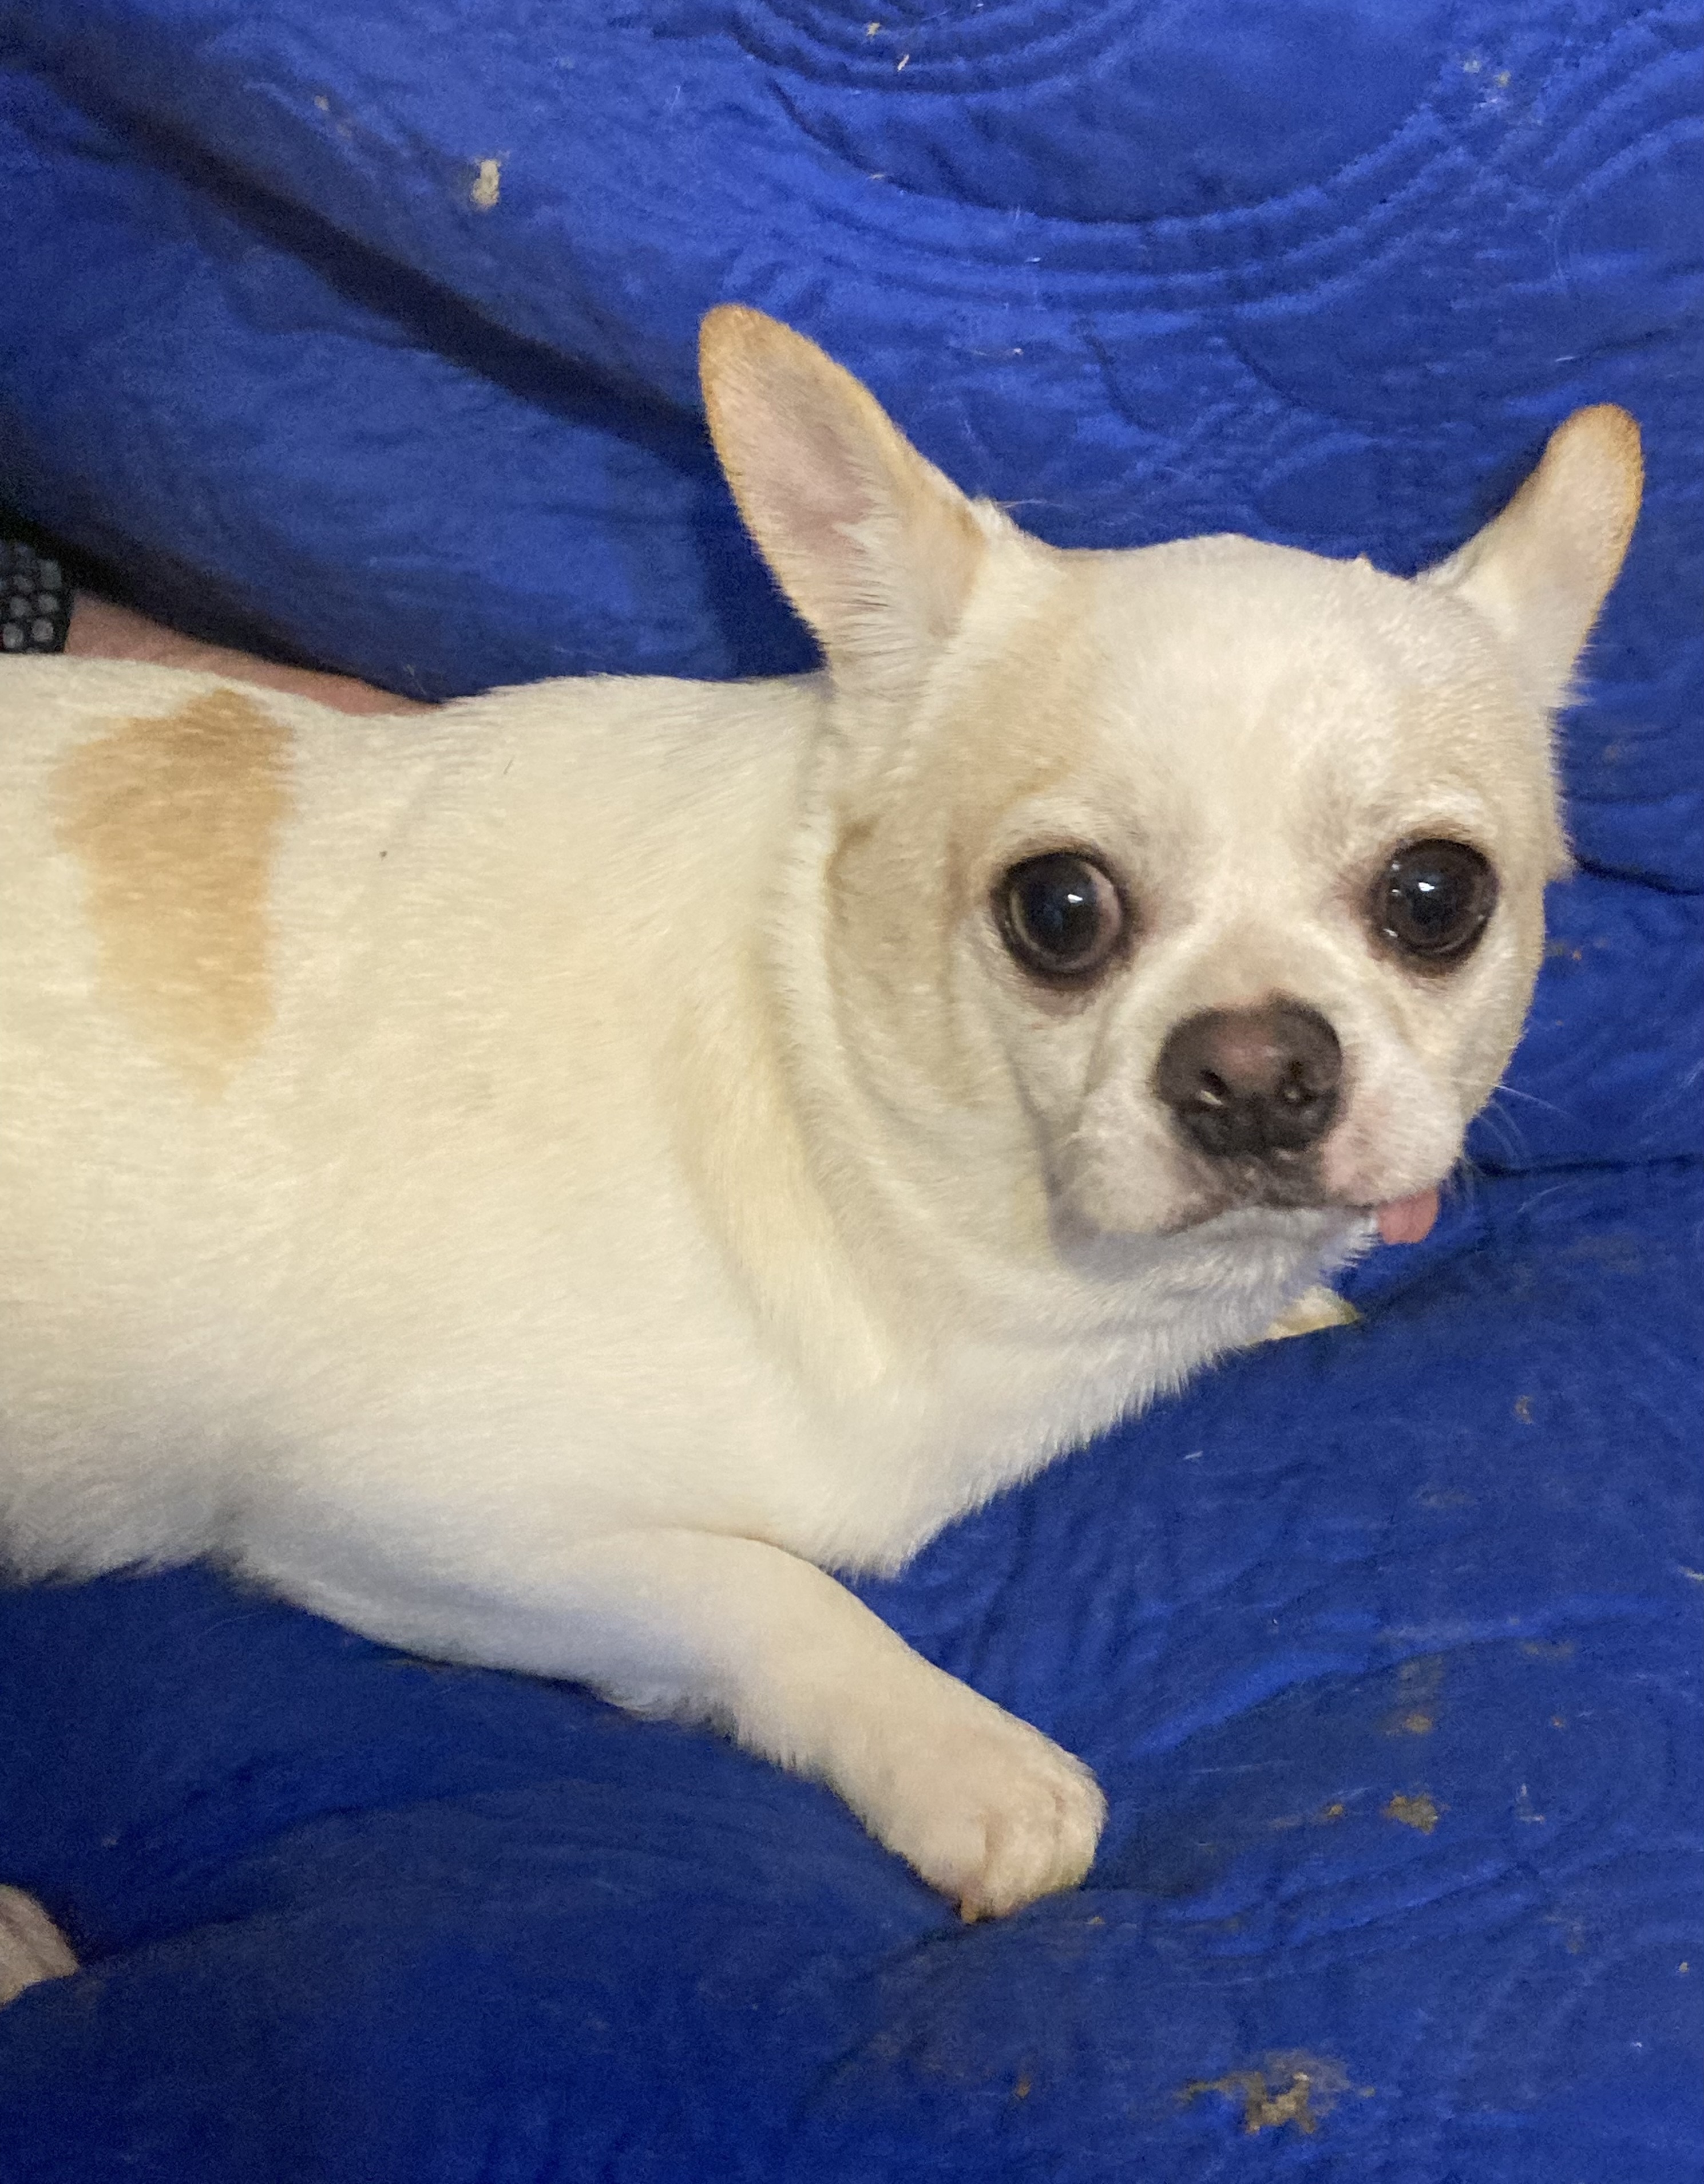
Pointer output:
1403, 1217
1264, 1215
1254, 1187
1296, 1199
1276, 1217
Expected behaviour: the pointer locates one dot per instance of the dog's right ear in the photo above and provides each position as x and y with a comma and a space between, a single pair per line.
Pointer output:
876, 548
1541, 570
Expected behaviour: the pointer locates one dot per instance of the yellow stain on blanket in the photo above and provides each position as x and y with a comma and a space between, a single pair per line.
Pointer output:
1421, 1682
174, 819
1294, 2088
1421, 1813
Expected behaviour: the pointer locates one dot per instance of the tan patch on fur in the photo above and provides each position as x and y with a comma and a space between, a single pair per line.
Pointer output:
174, 819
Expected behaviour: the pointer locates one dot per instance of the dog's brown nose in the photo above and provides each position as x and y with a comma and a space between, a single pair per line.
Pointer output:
1252, 1081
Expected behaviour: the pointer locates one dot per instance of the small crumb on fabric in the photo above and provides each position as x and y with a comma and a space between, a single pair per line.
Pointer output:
1294, 2088
487, 185
1325, 1814
1312, 1312
1421, 1813
1573, 1931
1422, 1683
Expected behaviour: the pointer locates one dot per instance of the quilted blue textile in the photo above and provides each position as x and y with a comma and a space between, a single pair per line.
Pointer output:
369, 334
1384, 1643
365, 334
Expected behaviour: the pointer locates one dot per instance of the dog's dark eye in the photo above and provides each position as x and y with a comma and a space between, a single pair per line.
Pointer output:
1432, 900
1060, 915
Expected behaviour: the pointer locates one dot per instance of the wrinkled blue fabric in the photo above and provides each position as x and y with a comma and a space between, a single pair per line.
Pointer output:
366, 335
1383, 1642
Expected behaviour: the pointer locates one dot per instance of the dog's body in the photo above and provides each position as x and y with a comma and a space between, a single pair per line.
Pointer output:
502, 1084
540, 1182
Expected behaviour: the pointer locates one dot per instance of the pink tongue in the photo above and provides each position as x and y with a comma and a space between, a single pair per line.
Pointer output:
1407, 1220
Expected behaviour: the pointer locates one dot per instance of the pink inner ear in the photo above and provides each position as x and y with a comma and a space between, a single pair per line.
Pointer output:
1408, 1220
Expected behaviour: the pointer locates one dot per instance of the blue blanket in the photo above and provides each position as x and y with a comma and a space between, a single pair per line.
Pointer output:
365, 335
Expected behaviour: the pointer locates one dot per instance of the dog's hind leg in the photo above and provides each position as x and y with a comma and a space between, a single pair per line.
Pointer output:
31, 1946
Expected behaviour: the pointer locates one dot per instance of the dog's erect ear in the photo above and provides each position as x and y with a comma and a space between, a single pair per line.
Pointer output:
873, 546
1541, 570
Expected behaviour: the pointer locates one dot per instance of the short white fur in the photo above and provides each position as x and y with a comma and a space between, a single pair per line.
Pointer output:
656, 1184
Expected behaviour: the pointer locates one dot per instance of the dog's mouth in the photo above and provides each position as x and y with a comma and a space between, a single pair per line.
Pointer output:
1405, 1220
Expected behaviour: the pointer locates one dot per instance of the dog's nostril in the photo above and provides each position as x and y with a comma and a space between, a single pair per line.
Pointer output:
1260, 1083
1295, 1091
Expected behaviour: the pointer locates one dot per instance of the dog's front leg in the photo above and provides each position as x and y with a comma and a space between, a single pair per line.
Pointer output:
985, 1807
700, 1626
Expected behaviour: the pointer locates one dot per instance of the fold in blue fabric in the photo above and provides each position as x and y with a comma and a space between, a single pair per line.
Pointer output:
365, 335
1384, 1643
368, 337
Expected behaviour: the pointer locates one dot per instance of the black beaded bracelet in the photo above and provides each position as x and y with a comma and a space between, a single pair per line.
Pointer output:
35, 600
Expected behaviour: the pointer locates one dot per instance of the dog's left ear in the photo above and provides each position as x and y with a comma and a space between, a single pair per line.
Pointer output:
876, 548
1539, 571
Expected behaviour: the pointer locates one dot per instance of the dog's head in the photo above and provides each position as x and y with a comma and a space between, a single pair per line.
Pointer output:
1217, 865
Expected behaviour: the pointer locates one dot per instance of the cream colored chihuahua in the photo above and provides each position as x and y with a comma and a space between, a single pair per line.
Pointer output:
546, 1182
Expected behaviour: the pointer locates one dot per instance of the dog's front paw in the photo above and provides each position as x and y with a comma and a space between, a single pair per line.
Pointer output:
987, 1809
